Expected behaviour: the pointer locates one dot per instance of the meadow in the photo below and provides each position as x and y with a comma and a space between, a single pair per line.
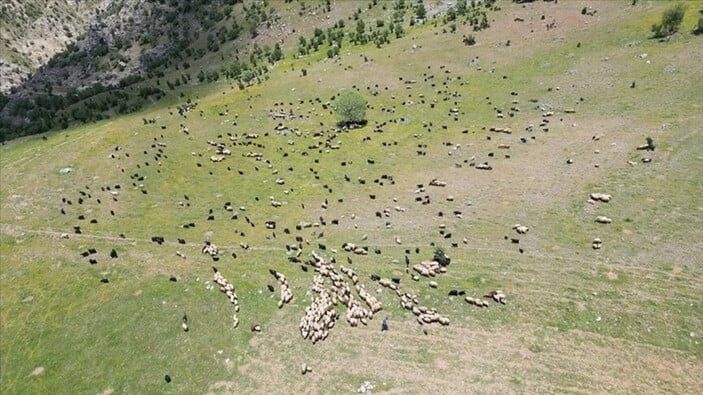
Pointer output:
624, 318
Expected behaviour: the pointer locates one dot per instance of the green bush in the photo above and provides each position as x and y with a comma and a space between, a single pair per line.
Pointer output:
440, 257
671, 20
699, 27
350, 108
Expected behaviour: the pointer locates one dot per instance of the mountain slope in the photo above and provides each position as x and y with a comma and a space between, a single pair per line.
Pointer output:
135, 52
33, 31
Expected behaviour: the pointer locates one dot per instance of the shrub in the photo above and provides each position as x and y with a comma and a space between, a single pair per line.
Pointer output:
671, 20
440, 257
699, 27
650, 143
469, 40
350, 108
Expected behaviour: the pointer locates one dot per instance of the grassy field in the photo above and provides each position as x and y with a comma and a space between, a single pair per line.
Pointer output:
625, 318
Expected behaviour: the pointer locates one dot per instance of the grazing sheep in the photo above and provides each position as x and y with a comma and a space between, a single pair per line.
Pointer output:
597, 244
184, 323
226, 287
286, 293
601, 219
497, 295
600, 197
501, 130
476, 302
436, 183
521, 229
429, 268
211, 250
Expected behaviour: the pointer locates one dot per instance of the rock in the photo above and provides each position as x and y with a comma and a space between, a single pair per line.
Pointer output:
601, 219
66, 170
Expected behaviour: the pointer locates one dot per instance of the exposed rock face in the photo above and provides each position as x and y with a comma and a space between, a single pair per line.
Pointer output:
33, 31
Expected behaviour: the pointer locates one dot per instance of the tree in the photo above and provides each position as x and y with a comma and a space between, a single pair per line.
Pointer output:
360, 27
671, 20
350, 108
420, 11
277, 54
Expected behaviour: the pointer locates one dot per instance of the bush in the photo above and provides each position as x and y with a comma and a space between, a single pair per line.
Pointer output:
440, 257
671, 20
650, 143
699, 27
350, 108
469, 40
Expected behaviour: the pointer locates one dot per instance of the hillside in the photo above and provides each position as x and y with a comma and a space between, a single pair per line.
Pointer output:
133, 53
554, 153
33, 31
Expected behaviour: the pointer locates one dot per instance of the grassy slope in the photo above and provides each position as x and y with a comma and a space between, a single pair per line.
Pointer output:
644, 284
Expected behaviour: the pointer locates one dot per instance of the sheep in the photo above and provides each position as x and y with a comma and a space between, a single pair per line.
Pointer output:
436, 183
184, 323
226, 287
521, 229
597, 244
429, 268
286, 293
501, 130
211, 250
476, 302
600, 197
601, 219
496, 295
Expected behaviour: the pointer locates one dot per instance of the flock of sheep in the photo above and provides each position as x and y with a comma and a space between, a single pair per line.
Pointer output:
228, 289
